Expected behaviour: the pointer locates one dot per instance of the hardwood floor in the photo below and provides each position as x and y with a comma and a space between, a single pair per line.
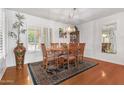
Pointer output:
103, 73
18, 77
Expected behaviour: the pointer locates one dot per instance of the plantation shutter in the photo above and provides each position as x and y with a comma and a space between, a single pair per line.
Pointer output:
1, 34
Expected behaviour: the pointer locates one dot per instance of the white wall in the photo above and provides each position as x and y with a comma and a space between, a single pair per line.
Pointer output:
90, 33
33, 21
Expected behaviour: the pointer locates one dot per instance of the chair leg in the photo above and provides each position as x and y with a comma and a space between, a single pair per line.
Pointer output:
78, 60
57, 63
68, 64
82, 58
45, 64
75, 62
61, 61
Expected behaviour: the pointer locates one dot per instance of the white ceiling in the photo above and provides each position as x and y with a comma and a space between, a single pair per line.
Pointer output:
81, 15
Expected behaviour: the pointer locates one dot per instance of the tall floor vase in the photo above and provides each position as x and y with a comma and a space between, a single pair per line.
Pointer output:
19, 52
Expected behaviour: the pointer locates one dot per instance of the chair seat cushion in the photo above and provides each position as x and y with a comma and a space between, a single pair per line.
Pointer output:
80, 55
51, 58
70, 57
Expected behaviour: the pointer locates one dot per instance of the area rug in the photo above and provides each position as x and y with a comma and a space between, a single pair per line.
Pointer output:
53, 76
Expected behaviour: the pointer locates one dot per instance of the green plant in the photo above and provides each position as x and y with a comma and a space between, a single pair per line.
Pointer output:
18, 26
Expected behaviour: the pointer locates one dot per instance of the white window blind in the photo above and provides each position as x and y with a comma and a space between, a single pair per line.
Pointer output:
2, 42
2, 34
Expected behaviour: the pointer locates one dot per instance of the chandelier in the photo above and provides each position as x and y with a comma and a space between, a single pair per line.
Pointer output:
71, 28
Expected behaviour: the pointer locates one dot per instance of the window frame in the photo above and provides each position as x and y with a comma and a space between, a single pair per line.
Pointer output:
37, 29
49, 36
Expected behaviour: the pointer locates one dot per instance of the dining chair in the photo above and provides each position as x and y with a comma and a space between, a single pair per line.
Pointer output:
48, 58
81, 47
71, 55
55, 45
63, 45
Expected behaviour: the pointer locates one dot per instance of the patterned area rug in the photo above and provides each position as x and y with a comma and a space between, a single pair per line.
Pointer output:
56, 76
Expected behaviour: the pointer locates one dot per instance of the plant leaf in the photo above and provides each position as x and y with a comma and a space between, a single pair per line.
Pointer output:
19, 16
12, 34
23, 31
15, 25
21, 23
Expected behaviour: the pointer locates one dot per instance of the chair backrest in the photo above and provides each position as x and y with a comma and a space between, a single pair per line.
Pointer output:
73, 48
43, 47
63, 45
81, 47
54, 45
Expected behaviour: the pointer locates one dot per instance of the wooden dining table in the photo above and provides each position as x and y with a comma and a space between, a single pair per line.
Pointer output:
56, 49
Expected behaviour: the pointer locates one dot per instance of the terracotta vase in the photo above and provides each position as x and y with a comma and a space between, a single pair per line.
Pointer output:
19, 52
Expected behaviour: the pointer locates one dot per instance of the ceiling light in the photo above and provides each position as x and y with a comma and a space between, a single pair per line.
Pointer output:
71, 28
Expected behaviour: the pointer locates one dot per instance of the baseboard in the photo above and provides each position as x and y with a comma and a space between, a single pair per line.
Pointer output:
99, 60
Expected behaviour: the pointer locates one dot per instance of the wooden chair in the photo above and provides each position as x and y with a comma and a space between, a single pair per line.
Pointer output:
55, 45
71, 54
48, 58
61, 60
63, 45
80, 55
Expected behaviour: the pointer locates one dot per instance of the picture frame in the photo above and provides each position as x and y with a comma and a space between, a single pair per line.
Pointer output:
62, 34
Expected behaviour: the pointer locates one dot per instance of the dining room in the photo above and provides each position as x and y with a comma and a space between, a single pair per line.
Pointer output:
62, 46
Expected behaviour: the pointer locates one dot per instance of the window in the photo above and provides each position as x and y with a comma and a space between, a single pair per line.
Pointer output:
47, 36
34, 35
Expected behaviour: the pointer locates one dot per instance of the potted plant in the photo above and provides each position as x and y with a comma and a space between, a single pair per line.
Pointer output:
19, 50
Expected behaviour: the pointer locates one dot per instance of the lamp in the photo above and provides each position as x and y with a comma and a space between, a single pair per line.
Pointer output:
71, 28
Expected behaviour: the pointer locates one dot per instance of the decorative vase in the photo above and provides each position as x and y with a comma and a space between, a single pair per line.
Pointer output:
19, 52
